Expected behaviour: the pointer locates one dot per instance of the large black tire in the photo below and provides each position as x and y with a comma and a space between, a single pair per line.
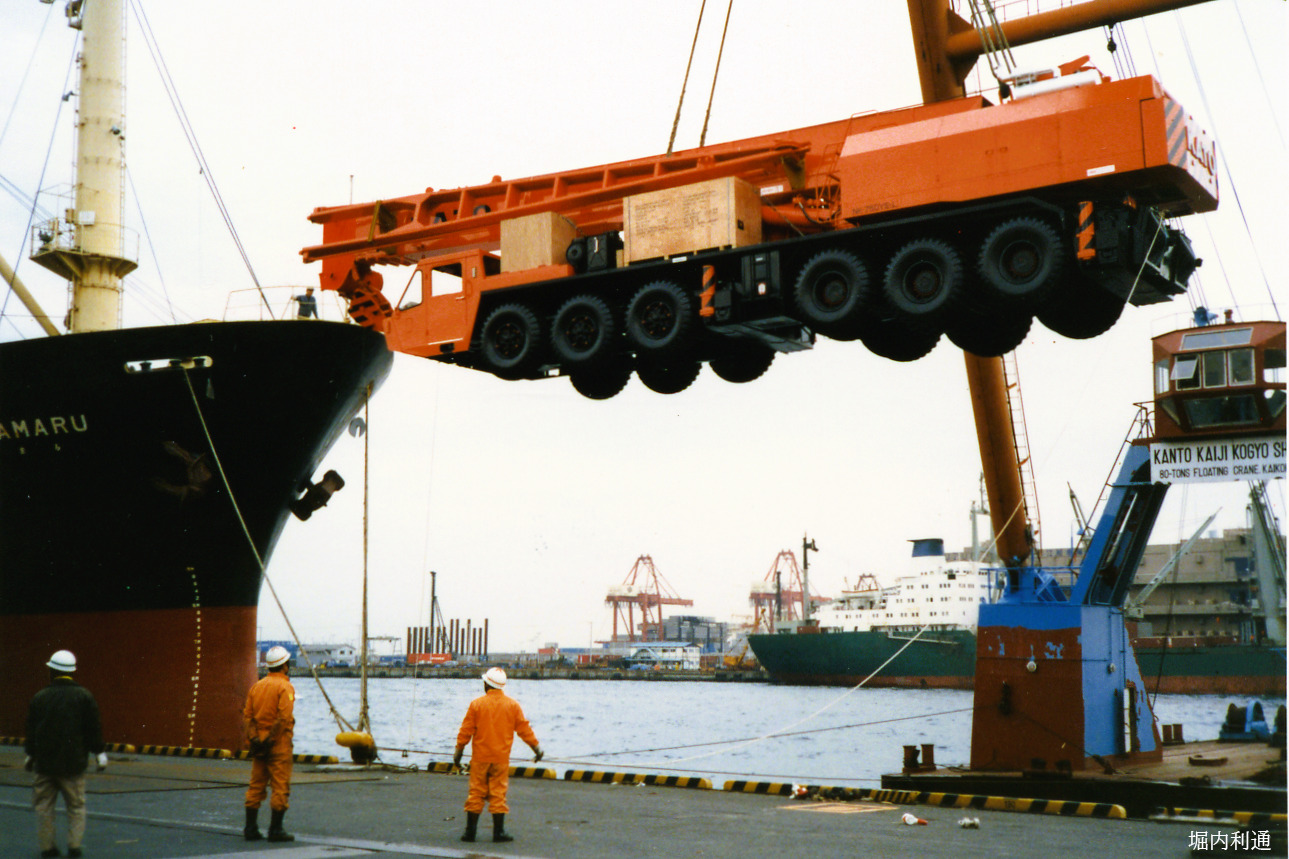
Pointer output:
1020, 263
603, 380
831, 293
894, 340
1081, 308
511, 341
742, 362
924, 283
990, 334
660, 319
668, 377
582, 330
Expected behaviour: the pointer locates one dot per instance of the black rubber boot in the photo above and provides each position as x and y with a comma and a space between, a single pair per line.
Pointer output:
276, 832
471, 825
252, 830
499, 828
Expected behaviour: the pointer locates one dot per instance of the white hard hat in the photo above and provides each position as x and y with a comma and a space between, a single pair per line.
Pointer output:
495, 677
277, 655
65, 661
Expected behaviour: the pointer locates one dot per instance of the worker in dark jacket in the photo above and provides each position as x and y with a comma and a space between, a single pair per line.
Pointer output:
269, 722
490, 725
63, 730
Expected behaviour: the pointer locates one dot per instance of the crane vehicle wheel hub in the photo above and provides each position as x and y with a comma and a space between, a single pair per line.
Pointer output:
511, 338
660, 318
924, 282
582, 329
1020, 261
830, 293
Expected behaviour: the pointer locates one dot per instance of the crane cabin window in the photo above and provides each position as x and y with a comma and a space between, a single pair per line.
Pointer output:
1216, 339
1161, 376
1241, 364
1186, 372
1214, 369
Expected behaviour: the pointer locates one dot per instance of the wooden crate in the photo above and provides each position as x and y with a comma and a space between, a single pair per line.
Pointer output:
719, 213
535, 240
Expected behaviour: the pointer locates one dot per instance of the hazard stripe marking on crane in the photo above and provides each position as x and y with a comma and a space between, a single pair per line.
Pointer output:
1175, 122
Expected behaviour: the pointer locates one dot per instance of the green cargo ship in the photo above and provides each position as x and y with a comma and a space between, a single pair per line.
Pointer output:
870, 635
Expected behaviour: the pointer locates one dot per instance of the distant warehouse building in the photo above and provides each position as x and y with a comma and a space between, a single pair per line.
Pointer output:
704, 632
671, 655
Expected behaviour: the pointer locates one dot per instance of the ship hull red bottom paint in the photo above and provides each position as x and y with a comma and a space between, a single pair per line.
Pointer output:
170, 677
145, 477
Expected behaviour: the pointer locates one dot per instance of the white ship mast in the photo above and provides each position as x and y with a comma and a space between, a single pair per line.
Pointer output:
86, 245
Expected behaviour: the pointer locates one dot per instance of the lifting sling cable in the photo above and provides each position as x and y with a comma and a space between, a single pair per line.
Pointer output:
702, 138
992, 38
1244, 218
671, 142
340, 720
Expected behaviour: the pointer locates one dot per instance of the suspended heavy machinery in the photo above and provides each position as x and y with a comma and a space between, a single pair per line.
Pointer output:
960, 217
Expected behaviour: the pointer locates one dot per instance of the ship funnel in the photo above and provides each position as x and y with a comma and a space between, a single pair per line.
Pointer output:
931, 547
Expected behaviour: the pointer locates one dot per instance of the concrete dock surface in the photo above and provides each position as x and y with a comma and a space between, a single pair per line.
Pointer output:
147, 807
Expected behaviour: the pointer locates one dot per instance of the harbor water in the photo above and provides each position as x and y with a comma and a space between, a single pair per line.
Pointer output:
721, 731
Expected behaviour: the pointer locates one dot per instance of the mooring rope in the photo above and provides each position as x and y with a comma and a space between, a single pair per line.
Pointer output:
259, 561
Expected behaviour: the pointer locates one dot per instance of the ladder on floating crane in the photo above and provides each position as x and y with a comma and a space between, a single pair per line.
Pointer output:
1020, 440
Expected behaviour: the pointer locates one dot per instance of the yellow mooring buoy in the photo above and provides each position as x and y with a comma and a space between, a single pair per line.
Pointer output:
362, 748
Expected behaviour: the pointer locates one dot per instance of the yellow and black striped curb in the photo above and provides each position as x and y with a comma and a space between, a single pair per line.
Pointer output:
518, 772
765, 787
1245, 818
532, 772
598, 777
997, 803
442, 767
298, 759
185, 752
122, 748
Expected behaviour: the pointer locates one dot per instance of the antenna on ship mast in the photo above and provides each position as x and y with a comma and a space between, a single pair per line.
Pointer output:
807, 546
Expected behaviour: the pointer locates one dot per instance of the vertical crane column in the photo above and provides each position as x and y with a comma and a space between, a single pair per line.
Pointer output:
995, 434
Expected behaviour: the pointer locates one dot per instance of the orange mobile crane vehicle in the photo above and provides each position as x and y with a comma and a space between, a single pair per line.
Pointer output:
959, 217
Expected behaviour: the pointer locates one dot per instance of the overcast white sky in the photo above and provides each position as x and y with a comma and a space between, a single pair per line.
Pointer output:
529, 500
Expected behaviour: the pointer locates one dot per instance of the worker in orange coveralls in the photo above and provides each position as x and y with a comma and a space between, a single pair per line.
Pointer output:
269, 722
491, 722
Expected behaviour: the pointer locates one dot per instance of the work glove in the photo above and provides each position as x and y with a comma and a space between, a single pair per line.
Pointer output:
260, 748
28, 764
102, 761
456, 758
538, 754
